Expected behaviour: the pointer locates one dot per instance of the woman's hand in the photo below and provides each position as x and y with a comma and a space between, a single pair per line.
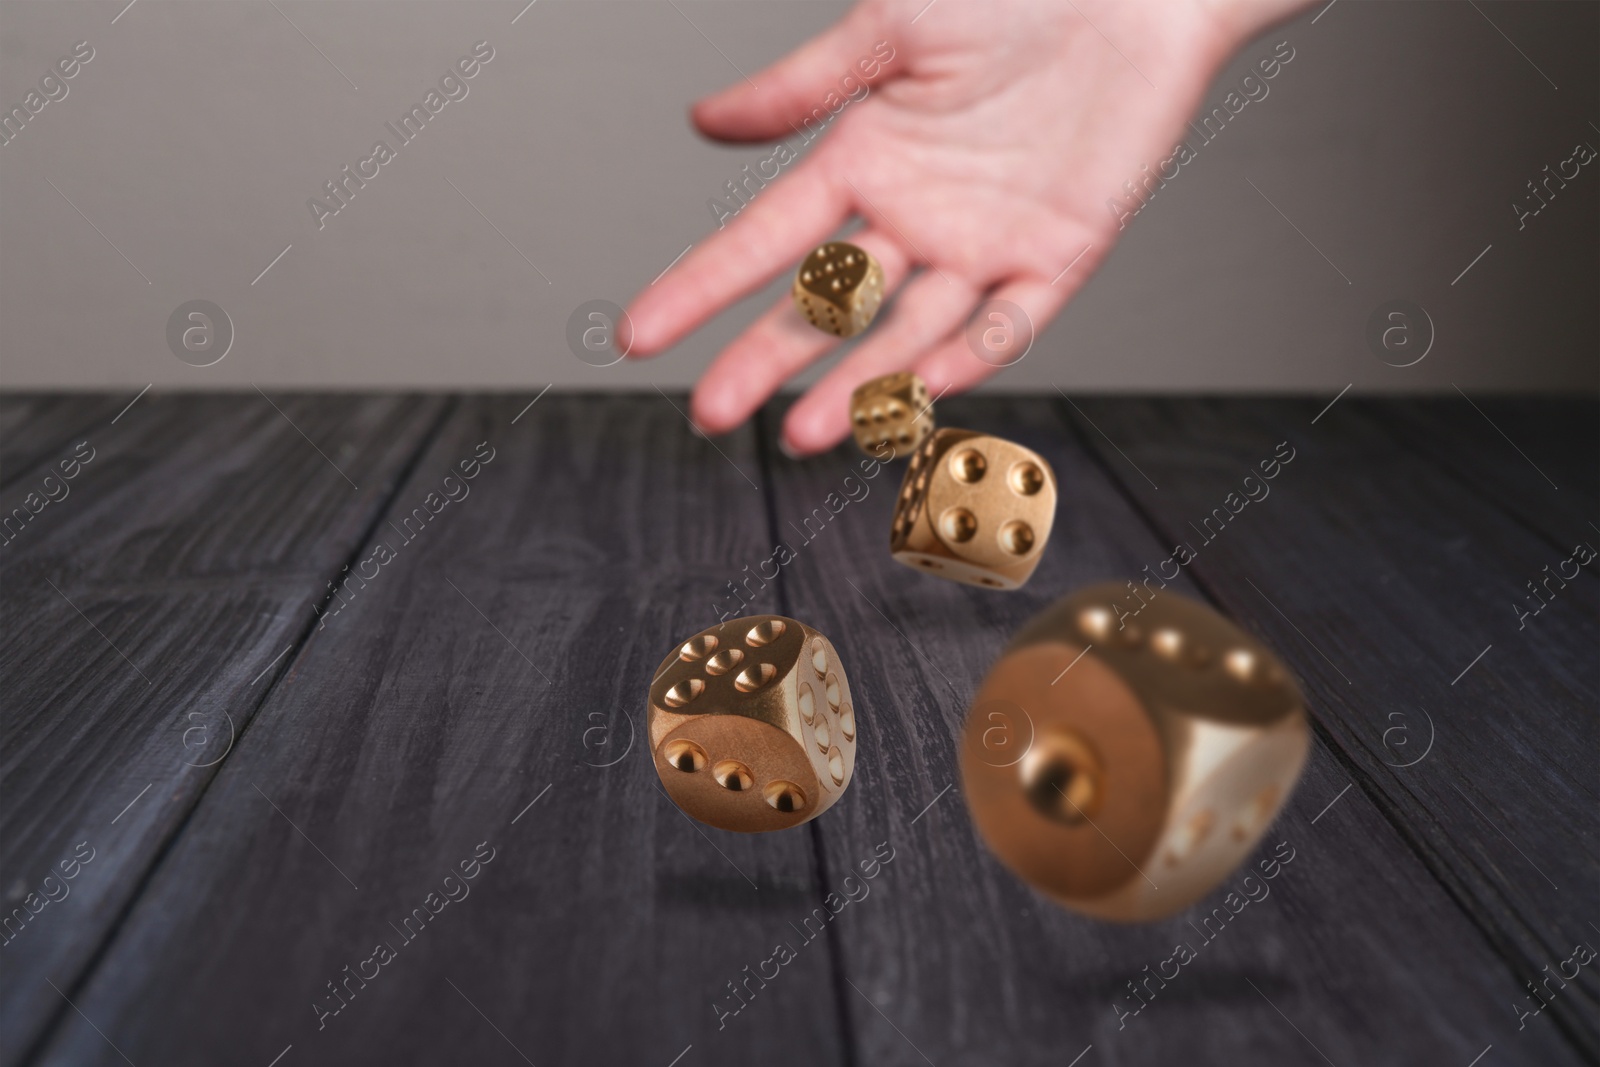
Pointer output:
984, 154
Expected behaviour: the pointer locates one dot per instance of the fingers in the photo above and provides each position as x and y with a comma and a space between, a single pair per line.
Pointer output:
784, 222
788, 92
776, 347
956, 366
928, 311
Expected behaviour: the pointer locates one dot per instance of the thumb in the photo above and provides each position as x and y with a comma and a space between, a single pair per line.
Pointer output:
826, 70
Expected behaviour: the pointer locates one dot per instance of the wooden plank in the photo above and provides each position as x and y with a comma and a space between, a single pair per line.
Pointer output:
1357, 951
140, 611
1393, 589
41, 428
1535, 457
473, 693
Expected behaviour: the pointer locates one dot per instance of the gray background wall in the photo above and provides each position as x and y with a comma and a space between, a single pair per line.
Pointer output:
1396, 140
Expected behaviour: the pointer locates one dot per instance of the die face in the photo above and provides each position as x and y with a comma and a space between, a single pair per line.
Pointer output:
1079, 782
892, 412
834, 272
1229, 728
752, 725
1226, 804
974, 509
839, 288
827, 725
738, 774
907, 532
1183, 655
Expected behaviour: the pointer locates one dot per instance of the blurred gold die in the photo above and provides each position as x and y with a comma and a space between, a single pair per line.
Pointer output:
891, 412
1126, 761
838, 288
974, 509
752, 726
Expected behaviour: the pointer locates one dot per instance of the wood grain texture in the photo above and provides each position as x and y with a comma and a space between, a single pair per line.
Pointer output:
483, 687
1536, 458
40, 428
1358, 946
466, 682
1387, 580
139, 610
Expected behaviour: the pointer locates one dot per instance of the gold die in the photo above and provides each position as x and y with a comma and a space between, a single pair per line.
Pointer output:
893, 410
974, 509
752, 726
1126, 764
838, 288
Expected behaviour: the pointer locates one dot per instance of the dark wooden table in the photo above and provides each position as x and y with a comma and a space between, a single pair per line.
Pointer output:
250, 797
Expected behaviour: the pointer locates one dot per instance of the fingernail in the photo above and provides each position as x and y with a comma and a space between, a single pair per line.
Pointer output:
784, 447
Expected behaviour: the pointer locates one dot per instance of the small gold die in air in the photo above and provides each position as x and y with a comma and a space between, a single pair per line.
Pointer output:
838, 289
891, 415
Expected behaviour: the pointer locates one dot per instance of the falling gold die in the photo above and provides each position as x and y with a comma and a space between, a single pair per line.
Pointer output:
752, 726
1126, 764
892, 415
974, 509
838, 289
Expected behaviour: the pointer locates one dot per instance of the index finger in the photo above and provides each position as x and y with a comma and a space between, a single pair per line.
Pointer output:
768, 237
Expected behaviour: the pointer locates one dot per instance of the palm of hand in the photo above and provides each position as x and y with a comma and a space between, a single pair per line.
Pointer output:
987, 158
